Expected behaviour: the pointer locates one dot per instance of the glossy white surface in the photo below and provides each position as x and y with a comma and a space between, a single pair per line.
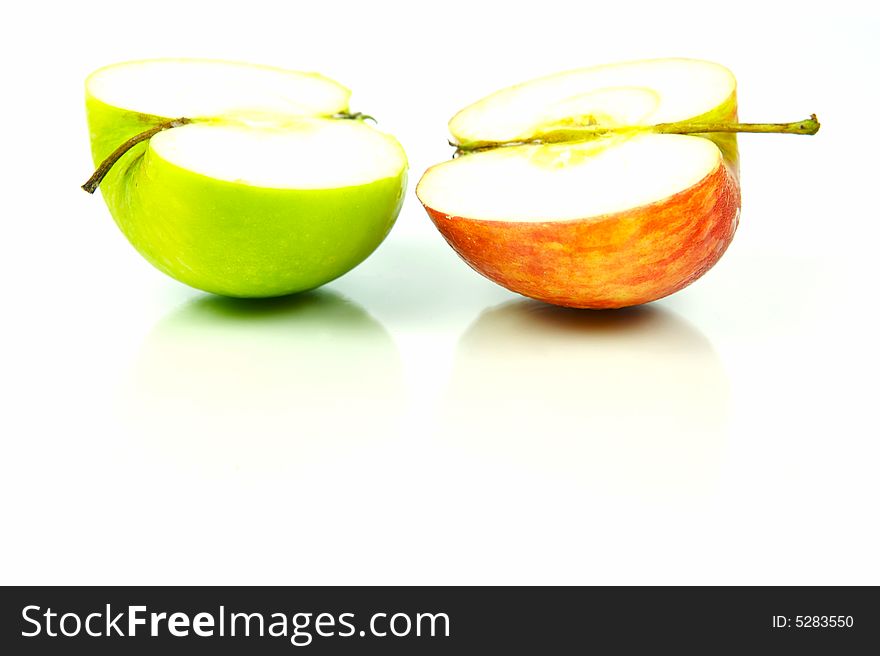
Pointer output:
413, 422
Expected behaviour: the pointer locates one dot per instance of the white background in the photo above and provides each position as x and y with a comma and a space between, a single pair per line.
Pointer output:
413, 422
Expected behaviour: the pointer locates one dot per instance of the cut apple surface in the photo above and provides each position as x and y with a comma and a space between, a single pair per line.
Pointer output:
564, 193
241, 180
627, 94
199, 88
561, 182
307, 153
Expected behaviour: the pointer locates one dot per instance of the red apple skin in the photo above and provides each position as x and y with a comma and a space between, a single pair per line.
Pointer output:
610, 261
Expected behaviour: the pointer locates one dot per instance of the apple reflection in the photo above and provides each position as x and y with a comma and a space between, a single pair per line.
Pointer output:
265, 383
630, 400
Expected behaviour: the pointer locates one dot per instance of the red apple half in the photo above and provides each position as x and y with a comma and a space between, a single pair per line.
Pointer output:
603, 222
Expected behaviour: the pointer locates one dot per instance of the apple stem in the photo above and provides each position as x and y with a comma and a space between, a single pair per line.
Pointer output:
104, 167
807, 126
585, 133
356, 116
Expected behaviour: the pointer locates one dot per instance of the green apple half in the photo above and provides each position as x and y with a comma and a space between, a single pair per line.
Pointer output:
238, 179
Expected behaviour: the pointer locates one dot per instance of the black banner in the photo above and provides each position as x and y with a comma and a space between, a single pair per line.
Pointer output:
444, 620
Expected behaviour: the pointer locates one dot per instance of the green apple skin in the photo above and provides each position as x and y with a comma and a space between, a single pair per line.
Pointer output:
229, 238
